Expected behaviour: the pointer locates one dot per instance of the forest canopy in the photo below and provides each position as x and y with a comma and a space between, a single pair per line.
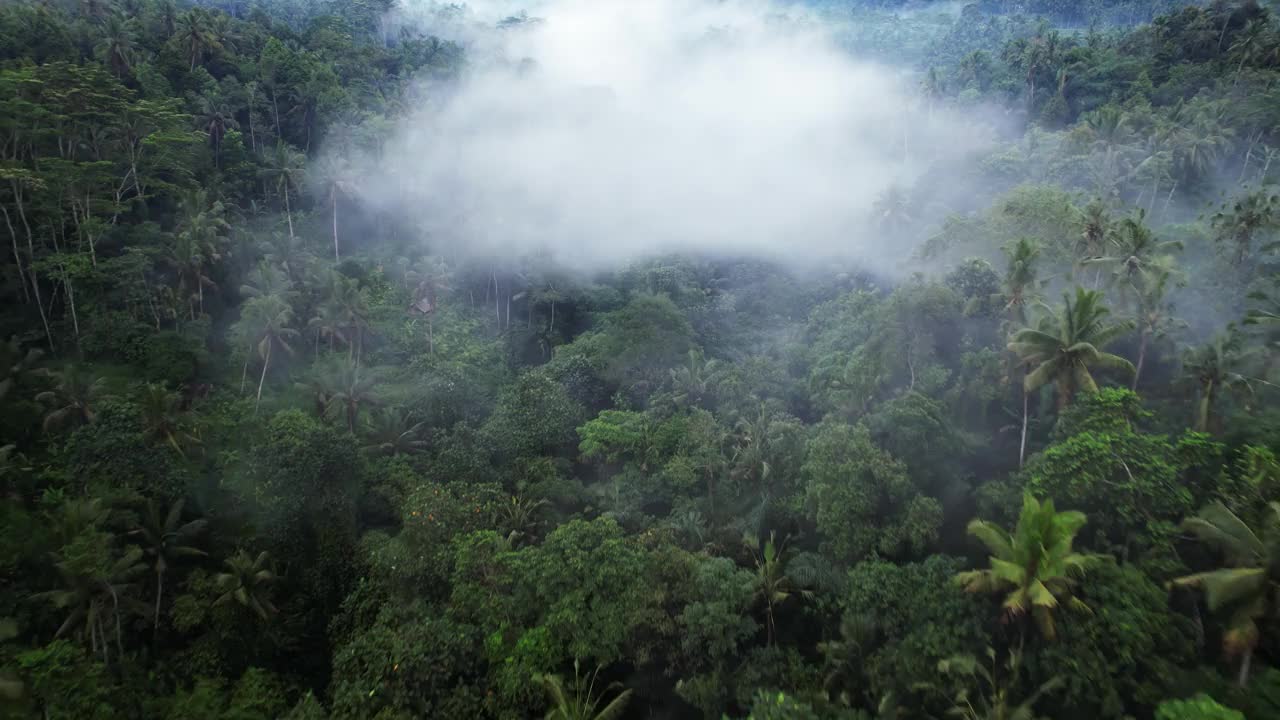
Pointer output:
765, 359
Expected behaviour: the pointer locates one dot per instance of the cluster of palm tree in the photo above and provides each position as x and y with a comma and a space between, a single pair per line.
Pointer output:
99, 597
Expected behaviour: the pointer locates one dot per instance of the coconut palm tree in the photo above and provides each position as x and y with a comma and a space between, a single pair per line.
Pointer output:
284, 168
247, 582
266, 324
95, 600
1211, 369
73, 397
773, 585
1065, 347
1253, 213
195, 34
346, 387
395, 433
201, 233
1096, 227
215, 117
118, 45
691, 383
1154, 318
1246, 588
1135, 255
164, 540
163, 417
334, 178
1034, 567
266, 279
1021, 285
579, 701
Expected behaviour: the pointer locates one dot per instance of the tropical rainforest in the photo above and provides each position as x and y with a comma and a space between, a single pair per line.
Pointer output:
277, 442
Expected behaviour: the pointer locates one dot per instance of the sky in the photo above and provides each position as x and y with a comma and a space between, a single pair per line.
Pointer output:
608, 130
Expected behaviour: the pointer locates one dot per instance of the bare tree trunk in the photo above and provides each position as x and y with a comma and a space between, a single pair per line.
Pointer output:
1243, 678
333, 197
71, 302
155, 632
1022, 447
31, 259
1142, 356
287, 213
17, 254
266, 362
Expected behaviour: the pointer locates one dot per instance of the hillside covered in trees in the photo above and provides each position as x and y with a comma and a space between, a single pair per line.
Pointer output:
347, 372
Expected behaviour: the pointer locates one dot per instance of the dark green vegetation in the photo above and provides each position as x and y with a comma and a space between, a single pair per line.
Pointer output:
269, 453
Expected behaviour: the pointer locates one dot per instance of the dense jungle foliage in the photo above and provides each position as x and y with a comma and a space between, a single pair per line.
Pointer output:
268, 452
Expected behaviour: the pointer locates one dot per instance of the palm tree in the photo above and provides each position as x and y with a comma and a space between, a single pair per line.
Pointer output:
195, 34
692, 382
266, 323
1251, 44
1200, 143
267, 279
284, 168
995, 700
1135, 255
202, 230
1021, 285
395, 433
1210, 368
1253, 213
215, 118
580, 702
773, 586
1096, 227
118, 44
1033, 567
334, 178
1063, 348
73, 397
163, 417
165, 541
1245, 590
247, 582
1155, 317
344, 391
329, 323
353, 305
95, 599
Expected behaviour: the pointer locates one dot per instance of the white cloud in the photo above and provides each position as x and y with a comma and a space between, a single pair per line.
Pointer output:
644, 126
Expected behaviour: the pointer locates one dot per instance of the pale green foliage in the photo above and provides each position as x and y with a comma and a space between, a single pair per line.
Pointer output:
1062, 348
579, 700
1034, 567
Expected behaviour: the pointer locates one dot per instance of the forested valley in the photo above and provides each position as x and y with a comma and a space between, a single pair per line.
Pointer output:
360, 361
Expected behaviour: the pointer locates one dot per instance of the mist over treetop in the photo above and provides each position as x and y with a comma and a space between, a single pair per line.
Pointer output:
607, 131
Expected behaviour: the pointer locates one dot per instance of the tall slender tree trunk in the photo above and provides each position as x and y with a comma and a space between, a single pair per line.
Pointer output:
155, 631
31, 259
1243, 678
333, 198
287, 213
266, 362
1142, 356
71, 303
1022, 446
17, 255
